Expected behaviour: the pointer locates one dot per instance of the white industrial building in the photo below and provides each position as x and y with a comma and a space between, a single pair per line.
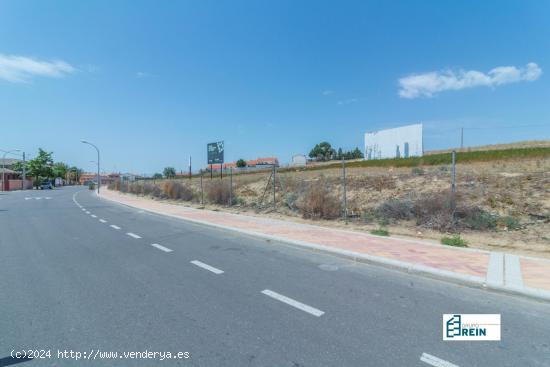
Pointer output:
400, 142
298, 160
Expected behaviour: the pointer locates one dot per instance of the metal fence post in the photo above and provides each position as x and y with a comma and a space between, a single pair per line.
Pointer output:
344, 196
202, 193
230, 186
453, 181
274, 175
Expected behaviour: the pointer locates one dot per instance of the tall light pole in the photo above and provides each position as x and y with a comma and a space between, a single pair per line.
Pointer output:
98, 176
4, 166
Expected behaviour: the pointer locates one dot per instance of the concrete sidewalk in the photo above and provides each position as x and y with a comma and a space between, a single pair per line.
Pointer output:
498, 271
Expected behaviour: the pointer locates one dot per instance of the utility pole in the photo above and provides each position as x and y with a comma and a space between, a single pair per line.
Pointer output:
461, 138
202, 193
453, 181
230, 186
344, 196
189, 167
274, 200
23, 181
98, 176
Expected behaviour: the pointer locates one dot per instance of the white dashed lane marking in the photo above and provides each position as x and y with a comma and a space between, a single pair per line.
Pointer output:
207, 267
133, 235
436, 362
115, 227
291, 302
160, 247
103, 221
94, 216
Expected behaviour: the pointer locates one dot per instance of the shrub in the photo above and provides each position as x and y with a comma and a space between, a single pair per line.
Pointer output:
476, 218
318, 202
455, 241
217, 192
135, 188
417, 171
177, 191
434, 211
147, 188
380, 232
396, 209
509, 222
123, 187
290, 200
368, 216
91, 186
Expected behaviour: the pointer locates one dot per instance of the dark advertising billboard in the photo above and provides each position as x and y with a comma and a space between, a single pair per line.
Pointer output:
215, 152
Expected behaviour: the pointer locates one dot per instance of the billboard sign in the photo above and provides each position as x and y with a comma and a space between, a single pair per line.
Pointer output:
215, 152
400, 142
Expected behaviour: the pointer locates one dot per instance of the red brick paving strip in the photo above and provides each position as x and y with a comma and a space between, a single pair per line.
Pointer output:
444, 258
536, 273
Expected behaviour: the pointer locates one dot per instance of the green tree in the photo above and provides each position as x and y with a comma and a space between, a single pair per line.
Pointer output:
357, 153
322, 152
40, 168
169, 172
241, 163
157, 176
60, 169
74, 173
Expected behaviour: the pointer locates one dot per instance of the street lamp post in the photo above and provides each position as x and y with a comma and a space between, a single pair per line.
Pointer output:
4, 167
98, 176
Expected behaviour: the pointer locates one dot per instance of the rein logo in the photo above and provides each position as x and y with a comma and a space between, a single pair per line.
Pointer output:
471, 327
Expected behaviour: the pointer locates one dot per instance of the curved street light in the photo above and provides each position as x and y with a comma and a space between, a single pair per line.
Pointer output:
4, 166
98, 176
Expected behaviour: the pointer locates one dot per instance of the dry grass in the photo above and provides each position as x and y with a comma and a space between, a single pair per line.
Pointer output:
502, 204
318, 201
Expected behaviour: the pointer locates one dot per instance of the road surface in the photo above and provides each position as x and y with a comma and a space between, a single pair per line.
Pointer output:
84, 275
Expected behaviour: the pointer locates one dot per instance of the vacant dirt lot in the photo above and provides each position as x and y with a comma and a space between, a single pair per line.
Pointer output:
499, 205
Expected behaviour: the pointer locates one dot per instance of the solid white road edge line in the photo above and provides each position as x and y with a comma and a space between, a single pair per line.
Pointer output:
160, 247
436, 362
103, 221
133, 235
115, 227
207, 267
289, 301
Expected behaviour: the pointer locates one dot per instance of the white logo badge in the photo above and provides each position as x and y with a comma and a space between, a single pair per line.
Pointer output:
471, 327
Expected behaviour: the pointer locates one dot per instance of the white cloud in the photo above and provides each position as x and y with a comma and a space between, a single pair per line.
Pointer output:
327, 92
142, 74
428, 84
348, 101
20, 69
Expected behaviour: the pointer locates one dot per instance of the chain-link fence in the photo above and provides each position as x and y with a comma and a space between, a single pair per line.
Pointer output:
508, 194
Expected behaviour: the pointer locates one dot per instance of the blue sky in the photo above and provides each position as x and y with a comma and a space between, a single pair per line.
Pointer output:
152, 82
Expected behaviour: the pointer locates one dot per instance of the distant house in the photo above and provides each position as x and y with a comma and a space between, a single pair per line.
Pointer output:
268, 161
298, 160
88, 177
253, 163
13, 179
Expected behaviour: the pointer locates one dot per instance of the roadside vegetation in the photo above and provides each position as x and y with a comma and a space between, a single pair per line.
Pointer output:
42, 167
502, 197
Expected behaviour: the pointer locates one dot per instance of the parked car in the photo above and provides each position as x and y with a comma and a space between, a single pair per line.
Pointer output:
46, 185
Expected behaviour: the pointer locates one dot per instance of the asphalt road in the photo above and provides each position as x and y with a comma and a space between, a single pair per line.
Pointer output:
123, 280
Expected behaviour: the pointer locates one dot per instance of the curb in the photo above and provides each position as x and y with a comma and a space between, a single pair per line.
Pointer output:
410, 268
